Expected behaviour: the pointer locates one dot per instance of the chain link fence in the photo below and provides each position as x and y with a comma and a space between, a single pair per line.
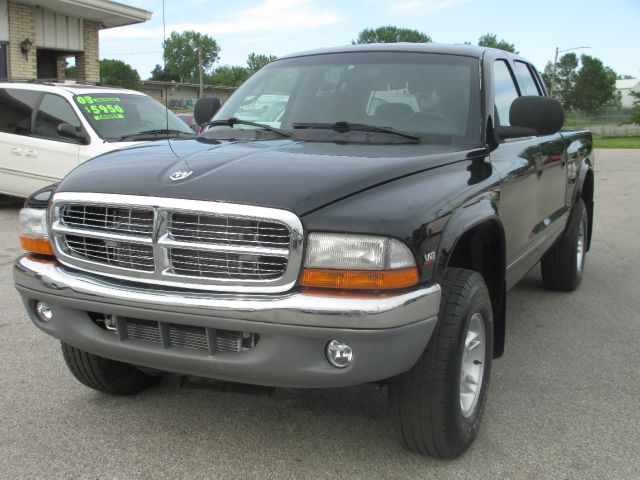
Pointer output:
609, 123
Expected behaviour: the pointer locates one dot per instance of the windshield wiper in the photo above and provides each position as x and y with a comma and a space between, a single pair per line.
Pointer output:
230, 122
343, 127
158, 131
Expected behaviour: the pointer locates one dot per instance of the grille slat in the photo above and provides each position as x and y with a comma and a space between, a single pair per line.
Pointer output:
185, 336
108, 218
222, 264
225, 230
114, 253
173, 242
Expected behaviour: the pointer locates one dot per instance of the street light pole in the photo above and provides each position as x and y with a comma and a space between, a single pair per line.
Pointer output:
200, 70
555, 64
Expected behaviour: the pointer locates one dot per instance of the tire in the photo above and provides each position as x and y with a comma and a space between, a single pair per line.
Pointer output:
427, 400
562, 266
106, 375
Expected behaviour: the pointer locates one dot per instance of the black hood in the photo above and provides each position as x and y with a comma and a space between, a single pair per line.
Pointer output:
286, 174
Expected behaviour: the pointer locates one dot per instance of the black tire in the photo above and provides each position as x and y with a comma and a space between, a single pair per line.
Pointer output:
106, 375
560, 266
426, 400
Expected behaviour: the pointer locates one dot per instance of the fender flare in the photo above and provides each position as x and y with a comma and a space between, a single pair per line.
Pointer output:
462, 221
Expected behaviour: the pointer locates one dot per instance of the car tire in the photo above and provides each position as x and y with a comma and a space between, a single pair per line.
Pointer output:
562, 266
106, 375
436, 411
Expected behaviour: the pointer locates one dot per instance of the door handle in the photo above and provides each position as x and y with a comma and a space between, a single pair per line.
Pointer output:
16, 151
31, 153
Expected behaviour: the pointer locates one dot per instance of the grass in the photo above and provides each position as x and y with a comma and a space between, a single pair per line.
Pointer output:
616, 142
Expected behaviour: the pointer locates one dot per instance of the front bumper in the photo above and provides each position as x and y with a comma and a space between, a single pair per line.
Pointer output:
387, 333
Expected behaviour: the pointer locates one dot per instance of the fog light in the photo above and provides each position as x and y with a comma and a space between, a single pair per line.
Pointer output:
44, 311
339, 354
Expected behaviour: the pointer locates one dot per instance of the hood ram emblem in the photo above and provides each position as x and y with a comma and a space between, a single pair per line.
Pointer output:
180, 175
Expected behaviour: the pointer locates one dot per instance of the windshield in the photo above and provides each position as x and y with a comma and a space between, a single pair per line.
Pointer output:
114, 116
425, 94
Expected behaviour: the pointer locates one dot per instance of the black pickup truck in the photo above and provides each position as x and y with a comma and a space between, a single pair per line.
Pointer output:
350, 215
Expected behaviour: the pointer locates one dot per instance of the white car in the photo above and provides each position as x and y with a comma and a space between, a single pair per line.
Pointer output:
47, 129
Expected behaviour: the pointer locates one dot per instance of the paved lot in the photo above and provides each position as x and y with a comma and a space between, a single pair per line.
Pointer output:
563, 400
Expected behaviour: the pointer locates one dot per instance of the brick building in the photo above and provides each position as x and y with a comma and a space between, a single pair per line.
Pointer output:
38, 36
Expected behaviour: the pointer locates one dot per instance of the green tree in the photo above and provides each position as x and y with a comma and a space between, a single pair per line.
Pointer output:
256, 61
566, 74
635, 111
70, 71
118, 73
391, 34
595, 85
491, 40
229, 76
181, 54
159, 73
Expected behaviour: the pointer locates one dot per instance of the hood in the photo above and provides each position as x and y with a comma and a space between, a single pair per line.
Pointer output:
293, 175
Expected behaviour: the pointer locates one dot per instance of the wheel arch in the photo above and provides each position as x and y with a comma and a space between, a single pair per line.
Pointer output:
586, 193
480, 245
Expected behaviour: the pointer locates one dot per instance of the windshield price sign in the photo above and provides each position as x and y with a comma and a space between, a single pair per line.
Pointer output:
101, 108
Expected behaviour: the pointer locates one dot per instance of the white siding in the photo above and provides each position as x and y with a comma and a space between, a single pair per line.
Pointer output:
4, 21
57, 31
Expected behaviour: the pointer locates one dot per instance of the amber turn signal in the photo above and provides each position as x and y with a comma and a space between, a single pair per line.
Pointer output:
36, 245
359, 279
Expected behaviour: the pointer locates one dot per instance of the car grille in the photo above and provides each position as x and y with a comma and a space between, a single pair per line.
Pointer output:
183, 243
171, 335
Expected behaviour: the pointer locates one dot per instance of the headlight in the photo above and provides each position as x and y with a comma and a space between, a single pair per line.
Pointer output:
34, 236
358, 261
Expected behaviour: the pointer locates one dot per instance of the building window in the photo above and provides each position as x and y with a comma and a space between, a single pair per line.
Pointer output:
3, 60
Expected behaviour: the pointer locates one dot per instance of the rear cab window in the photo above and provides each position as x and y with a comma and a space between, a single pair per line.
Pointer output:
526, 80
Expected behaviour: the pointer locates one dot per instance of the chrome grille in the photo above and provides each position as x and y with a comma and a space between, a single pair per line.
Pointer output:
128, 221
179, 243
111, 252
225, 265
224, 230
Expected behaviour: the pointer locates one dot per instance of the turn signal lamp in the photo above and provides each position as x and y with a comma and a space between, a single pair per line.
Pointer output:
346, 261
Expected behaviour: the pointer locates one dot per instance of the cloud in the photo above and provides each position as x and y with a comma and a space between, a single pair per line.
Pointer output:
271, 15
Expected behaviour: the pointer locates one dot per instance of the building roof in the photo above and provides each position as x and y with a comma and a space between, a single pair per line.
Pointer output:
628, 83
106, 12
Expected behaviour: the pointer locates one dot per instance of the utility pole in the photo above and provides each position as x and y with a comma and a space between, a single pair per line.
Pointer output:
555, 64
201, 73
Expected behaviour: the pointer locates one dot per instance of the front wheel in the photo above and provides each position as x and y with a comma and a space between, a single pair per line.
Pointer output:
106, 375
439, 402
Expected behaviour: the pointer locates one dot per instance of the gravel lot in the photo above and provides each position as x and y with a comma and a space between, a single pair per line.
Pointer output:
563, 402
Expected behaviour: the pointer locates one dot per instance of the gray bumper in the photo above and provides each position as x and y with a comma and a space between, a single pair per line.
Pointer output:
387, 333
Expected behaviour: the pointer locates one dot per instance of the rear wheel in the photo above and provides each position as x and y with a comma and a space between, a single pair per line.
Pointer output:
563, 264
106, 375
439, 402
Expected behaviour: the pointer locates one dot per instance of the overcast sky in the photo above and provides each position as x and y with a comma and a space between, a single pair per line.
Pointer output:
610, 28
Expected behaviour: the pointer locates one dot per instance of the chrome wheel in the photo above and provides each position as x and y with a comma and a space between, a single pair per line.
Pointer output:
580, 246
472, 366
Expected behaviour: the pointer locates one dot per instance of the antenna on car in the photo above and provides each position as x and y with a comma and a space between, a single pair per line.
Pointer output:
164, 65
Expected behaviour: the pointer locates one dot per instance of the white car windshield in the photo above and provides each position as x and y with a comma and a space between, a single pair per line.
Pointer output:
117, 116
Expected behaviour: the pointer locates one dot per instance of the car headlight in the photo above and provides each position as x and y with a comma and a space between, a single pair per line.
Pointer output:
358, 262
34, 235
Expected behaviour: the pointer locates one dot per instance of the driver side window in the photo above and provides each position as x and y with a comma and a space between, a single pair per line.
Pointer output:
505, 91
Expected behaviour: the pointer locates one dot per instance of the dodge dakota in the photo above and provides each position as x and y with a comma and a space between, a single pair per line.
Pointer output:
350, 215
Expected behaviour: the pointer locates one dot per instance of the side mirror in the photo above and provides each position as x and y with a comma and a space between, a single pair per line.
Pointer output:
205, 109
74, 133
533, 115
